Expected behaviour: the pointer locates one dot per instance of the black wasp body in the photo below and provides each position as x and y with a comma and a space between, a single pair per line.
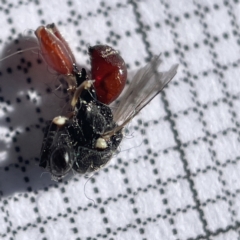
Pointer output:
79, 143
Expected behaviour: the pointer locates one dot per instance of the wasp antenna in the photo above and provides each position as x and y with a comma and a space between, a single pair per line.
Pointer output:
90, 199
44, 173
18, 52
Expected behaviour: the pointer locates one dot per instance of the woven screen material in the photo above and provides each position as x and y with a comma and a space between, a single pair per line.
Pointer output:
177, 173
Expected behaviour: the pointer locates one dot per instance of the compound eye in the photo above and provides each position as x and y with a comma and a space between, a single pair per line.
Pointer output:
61, 161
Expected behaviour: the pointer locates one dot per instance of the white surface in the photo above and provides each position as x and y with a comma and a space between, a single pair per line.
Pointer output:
178, 180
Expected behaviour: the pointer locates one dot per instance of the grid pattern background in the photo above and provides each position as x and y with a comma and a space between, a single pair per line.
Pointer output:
177, 173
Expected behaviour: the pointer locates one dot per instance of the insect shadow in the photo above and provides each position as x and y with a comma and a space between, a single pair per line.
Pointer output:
28, 98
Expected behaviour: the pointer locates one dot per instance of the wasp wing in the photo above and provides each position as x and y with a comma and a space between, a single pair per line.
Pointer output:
146, 84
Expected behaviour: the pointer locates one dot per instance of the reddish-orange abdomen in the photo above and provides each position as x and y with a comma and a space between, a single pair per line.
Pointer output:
109, 71
55, 49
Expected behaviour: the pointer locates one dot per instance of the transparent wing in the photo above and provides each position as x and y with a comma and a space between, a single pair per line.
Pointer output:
146, 84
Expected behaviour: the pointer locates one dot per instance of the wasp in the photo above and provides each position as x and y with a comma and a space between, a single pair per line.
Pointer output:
86, 140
